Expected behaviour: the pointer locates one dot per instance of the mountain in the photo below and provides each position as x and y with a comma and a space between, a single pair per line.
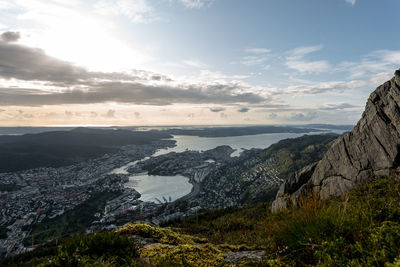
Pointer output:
246, 130
371, 148
61, 148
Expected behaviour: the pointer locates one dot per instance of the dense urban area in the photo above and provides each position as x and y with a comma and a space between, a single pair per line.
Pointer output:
33, 196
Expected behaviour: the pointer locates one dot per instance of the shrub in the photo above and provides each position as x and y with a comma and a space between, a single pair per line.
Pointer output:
107, 247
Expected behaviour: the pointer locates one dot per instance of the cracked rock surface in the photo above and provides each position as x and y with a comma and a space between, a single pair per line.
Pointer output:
371, 148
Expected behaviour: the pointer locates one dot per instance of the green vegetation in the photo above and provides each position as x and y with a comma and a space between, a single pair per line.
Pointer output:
360, 229
102, 249
236, 226
71, 222
9, 187
290, 156
162, 235
184, 255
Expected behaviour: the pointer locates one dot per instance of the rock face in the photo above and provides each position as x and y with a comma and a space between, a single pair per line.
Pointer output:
371, 148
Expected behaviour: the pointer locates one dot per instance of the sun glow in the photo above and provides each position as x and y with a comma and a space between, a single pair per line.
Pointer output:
84, 38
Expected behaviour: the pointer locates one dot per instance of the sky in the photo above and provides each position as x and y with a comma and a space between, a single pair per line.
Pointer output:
193, 62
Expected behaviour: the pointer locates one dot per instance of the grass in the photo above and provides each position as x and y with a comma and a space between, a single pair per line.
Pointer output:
233, 225
363, 228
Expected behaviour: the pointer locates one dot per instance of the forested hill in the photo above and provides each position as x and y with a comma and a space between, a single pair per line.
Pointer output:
60, 148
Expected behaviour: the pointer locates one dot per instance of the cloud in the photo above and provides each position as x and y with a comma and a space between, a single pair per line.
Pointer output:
380, 78
110, 113
337, 106
351, 2
194, 63
301, 51
377, 62
21, 114
4, 5
137, 115
325, 87
254, 60
300, 116
196, 3
51, 115
9, 37
257, 50
272, 115
223, 115
138, 11
295, 60
134, 93
208, 75
217, 109
25, 63
258, 56
243, 109
191, 115
76, 85
309, 66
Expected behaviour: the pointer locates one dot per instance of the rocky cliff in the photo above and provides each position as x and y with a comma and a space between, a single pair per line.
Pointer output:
371, 148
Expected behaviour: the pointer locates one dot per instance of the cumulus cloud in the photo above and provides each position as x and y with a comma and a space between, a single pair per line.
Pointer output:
136, 114
351, 2
223, 115
77, 85
243, 109
25, 63
9, 37
217, 109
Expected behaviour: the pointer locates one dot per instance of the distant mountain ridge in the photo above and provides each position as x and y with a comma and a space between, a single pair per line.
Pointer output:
61, 148
371, 148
